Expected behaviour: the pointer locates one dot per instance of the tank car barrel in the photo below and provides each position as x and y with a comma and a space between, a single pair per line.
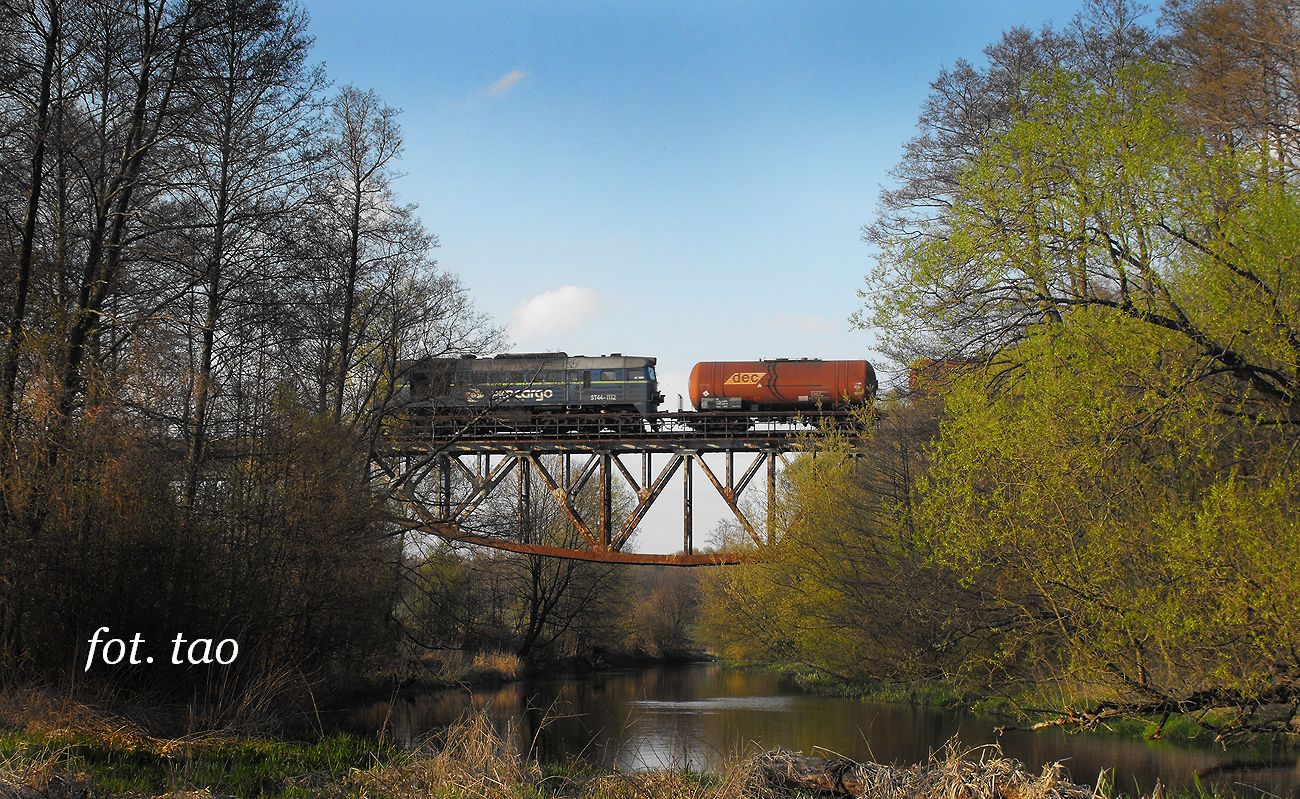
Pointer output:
781, 385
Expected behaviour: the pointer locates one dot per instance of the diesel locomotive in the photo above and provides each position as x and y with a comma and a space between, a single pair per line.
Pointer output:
528, 384
518, 388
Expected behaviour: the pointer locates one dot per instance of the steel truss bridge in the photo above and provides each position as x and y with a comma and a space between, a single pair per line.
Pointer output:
445, 472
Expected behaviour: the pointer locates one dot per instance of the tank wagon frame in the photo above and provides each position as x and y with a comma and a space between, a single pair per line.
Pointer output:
781, 385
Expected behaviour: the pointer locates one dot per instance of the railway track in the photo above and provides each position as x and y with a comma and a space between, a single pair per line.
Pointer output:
661, 432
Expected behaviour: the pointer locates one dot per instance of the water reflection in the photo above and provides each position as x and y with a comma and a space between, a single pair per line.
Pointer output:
699, 716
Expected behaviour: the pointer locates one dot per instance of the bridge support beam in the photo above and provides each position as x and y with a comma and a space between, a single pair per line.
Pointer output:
688, 509
454, 489
462, 493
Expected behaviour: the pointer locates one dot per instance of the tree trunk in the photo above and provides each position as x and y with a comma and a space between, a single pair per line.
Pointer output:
349, 299
203, 385
22, 279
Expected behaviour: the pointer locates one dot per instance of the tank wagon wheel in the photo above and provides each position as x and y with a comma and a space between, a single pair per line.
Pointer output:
731, 426
695, 424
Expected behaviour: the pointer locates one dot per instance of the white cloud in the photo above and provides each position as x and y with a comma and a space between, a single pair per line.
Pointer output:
506, 82
554, 312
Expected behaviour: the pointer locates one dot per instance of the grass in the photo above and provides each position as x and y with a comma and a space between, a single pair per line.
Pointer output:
1190, 729
470, 759
47, 740
242, 767
1179, 729
73, 751
922, 694
454, 667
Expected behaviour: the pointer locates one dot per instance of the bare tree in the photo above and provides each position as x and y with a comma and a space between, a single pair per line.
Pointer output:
35, 32
364, 223
137, 68
249, 148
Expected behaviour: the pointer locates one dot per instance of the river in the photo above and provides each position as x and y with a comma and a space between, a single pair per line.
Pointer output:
698, 716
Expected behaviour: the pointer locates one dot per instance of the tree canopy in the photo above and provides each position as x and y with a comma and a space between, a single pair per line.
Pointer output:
1105, 520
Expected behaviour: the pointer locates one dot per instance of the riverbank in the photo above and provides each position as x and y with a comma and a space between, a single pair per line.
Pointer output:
470, 759
1197, 729
677, 723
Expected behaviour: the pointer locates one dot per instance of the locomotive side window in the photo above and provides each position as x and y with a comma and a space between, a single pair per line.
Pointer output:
611, 375
650, 372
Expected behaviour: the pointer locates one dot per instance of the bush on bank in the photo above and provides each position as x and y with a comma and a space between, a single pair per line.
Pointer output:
1093, 508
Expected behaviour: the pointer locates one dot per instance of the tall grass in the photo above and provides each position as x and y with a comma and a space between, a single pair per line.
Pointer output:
457, 667
470, 758
66, 750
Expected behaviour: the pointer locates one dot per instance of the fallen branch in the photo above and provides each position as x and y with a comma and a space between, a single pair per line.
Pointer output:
1248, 712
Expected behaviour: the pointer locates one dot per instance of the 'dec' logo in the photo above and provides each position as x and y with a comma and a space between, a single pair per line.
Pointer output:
745, 379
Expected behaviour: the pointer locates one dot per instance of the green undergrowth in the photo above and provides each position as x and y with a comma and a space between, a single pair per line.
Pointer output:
252, 767
933, 695
1183, 729
52, 749
1178, 730
472, 762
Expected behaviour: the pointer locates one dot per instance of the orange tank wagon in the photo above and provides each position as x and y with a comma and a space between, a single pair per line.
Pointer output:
781, 385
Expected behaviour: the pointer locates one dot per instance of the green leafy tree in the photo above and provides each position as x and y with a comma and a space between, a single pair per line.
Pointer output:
1109, 487
848, 589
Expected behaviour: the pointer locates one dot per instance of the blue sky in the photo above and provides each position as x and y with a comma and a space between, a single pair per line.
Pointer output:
685, 180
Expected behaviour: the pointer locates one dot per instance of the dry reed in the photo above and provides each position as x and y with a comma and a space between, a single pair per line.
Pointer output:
474, 760
952, 773
469, 759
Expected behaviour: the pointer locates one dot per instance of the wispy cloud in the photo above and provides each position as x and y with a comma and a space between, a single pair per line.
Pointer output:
506, 82
554, 312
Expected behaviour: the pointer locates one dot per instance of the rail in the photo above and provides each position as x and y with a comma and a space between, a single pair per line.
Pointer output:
706, 431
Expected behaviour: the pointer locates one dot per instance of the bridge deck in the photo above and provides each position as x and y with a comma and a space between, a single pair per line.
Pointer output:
462, 463
712, 431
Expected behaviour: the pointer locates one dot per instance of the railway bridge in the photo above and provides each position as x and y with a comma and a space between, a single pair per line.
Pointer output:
445, 473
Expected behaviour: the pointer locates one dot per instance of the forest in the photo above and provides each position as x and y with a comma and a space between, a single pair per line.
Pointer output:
1085, 503
1081, 496
210, 281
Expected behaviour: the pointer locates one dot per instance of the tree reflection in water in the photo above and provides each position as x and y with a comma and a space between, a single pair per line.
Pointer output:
699, 716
